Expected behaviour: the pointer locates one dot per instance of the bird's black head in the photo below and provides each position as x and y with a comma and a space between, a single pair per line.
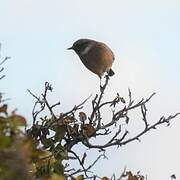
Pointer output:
80, 45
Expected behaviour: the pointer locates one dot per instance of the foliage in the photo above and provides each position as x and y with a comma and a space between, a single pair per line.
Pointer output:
14, 161
46, 149
60, 132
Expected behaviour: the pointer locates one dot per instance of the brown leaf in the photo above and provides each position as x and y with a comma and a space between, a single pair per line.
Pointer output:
82, 116
105, 178
130, 175
134, 177
18, 120
88, 130
68, 120
73, 131
80, 177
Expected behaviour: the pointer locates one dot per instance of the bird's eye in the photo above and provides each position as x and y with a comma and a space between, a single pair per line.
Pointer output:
81, 46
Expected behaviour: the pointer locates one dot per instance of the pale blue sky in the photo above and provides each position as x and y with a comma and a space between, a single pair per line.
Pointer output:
145, 37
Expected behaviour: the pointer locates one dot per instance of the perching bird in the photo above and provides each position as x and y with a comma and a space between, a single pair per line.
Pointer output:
96, 56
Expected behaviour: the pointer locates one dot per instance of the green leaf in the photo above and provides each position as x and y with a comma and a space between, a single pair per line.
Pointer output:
5, 142
58, 167
47, 142
60, 133
61, 152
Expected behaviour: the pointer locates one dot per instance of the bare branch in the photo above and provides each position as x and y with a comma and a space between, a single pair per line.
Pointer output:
72, 128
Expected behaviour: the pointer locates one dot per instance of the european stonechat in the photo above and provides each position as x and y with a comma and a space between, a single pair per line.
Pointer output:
96, 56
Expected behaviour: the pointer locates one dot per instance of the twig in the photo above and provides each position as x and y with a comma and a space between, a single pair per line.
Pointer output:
73, 131
96, 104
80, 162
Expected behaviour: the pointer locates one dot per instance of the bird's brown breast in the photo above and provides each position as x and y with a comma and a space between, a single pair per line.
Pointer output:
98, 59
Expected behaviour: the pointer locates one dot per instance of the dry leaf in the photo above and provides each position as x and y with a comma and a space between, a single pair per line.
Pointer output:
105, 178
82, 116
89, 130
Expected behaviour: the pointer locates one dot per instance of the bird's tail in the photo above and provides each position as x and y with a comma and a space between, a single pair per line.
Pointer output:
111, 72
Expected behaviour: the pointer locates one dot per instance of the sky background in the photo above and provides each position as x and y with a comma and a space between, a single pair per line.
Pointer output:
145, 38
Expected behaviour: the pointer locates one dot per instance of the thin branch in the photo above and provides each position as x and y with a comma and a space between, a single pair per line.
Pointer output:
96, 104
162, 120
74, 132
144, 111
80, 162
4, 60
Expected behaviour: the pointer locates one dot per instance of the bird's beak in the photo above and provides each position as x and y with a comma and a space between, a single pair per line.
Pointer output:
70, 48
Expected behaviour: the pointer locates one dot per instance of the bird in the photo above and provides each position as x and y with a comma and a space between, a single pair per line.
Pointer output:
96, 56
